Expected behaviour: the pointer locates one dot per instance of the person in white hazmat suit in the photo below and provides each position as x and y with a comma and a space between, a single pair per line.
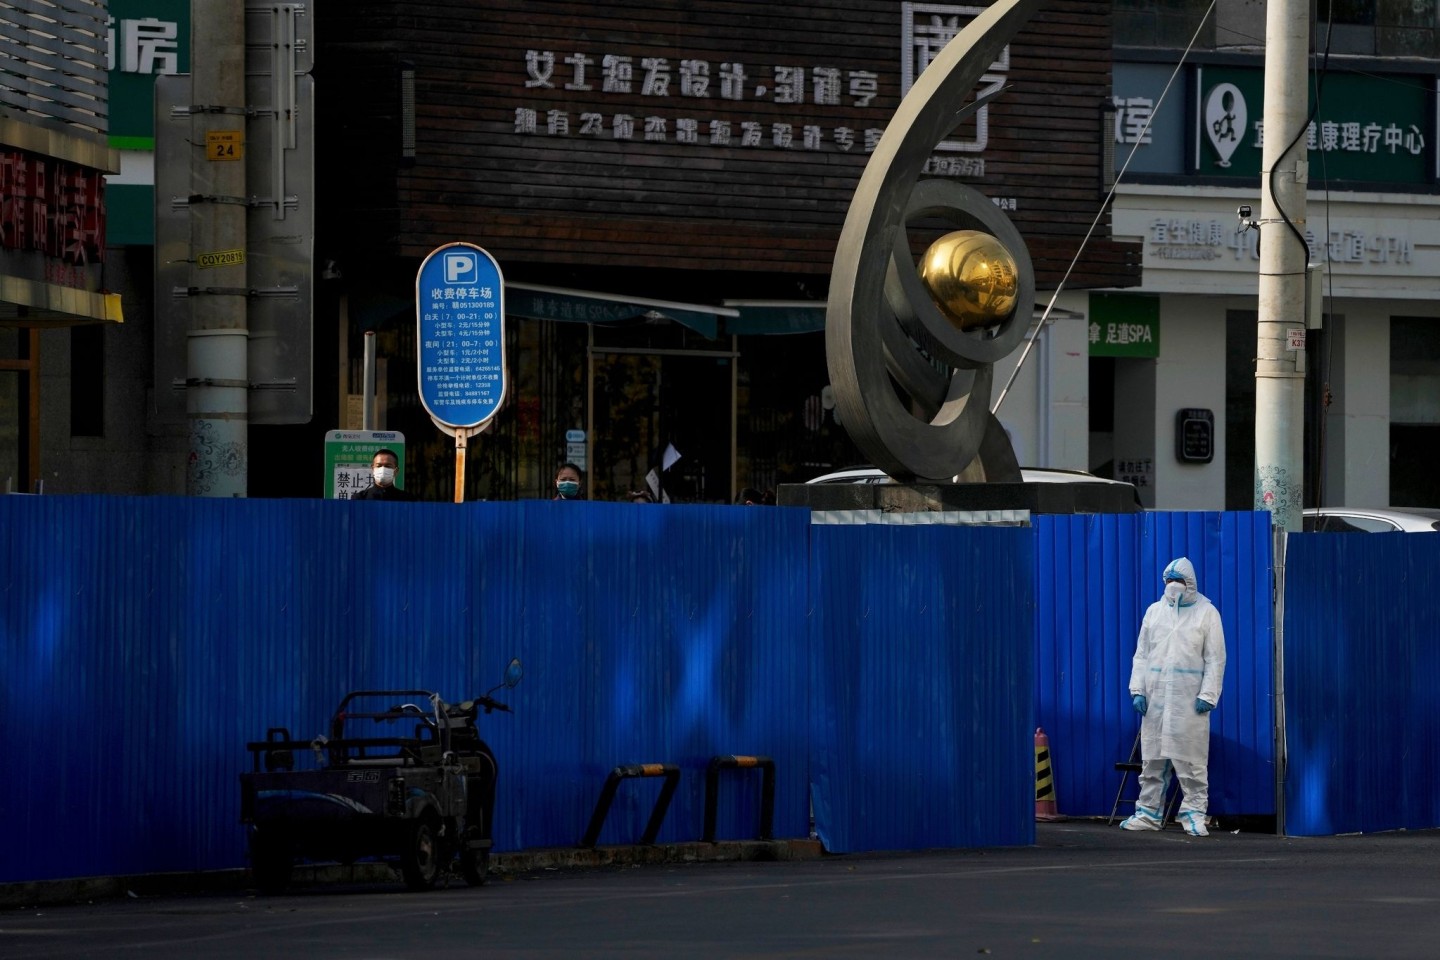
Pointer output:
1174, 684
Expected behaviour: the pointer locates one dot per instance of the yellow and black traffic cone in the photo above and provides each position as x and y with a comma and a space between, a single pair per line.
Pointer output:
1045, 808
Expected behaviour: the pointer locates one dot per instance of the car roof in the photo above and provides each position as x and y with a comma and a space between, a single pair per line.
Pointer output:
864, 474
1407, 519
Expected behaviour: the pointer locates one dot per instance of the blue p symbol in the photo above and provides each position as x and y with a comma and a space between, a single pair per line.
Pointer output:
461, 268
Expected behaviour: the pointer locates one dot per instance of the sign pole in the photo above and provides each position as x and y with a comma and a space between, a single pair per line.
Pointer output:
1280, 333
461, 435
217, 373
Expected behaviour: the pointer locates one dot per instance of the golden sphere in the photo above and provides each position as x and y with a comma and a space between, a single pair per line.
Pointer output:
971, 277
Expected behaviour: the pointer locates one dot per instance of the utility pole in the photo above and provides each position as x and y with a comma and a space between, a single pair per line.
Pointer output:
217, 343
1280, 339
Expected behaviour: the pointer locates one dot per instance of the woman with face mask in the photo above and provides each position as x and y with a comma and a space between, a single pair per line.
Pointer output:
1175, 681
567, 482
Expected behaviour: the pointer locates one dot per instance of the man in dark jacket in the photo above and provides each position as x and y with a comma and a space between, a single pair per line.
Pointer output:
382, 470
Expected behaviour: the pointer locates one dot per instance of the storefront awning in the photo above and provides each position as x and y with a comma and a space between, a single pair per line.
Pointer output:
776, 316
583, 306
32, 303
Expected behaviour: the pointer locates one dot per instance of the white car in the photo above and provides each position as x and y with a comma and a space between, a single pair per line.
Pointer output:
1365, 520
1027, 474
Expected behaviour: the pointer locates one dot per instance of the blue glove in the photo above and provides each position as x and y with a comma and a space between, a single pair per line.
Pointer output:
1202, 707
1141, 704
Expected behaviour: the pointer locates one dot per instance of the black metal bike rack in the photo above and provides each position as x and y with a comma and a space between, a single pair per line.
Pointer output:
767, 792
669, 771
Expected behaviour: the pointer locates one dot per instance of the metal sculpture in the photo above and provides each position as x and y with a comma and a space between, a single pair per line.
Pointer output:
911, 350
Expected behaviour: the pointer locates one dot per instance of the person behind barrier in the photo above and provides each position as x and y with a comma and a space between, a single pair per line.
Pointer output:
1175, 681
750, 497
382, 471
567, 482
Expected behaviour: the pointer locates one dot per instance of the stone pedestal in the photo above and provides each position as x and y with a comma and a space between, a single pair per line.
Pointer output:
1081, 497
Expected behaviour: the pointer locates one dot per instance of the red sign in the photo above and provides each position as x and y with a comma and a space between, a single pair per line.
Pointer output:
53, 207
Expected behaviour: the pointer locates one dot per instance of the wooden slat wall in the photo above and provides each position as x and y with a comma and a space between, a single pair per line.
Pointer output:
598, 201
54, 56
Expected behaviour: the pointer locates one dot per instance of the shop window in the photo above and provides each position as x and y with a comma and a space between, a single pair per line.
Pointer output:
1414, 410
1102, 417
1358, 12
87, 381
789, 429
12, 475
1240, 333
660, 389
1317, 405
19, 420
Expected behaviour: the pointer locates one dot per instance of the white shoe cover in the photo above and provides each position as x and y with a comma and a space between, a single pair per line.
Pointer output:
1139, 822
1194, 823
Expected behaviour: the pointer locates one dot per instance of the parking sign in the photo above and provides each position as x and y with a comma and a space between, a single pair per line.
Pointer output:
460, 316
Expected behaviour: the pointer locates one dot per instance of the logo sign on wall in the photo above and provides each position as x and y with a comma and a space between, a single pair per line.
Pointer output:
1225, 117
460, 312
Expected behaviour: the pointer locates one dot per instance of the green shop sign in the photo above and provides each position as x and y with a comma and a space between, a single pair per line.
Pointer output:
146, 38
1368, 128
1124, 325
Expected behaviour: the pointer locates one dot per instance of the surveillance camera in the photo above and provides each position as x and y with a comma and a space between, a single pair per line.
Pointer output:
1244, 212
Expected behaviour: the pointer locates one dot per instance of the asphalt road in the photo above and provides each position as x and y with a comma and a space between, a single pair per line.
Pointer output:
1084, 890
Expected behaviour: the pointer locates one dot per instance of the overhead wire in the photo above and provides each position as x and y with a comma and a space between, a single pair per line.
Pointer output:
1104, 205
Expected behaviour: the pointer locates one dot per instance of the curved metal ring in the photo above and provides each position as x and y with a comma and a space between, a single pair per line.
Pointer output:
905, 293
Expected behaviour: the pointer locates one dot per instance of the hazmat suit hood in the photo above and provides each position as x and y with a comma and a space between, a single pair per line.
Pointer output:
1182, 567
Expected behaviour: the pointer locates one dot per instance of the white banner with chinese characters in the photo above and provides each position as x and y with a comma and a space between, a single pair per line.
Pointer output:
1370, 244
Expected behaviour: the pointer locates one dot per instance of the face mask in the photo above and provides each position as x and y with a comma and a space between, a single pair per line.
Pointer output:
384, 475
1173, 591
567, 488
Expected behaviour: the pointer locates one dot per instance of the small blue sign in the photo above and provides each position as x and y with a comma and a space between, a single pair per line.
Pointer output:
460, 333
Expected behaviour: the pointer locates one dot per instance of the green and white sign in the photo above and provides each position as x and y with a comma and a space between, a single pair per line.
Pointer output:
146, 38
1124, 325
1368, 128
347, 459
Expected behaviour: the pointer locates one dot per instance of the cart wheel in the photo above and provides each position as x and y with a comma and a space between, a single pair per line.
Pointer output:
420, 860
474, 865
271, 861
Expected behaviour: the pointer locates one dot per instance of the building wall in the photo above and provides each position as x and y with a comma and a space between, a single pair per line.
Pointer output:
1370, 226
507, 153
1358, 426
124, 451
1192, 349
549, 164
1362, 287
1046, 410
